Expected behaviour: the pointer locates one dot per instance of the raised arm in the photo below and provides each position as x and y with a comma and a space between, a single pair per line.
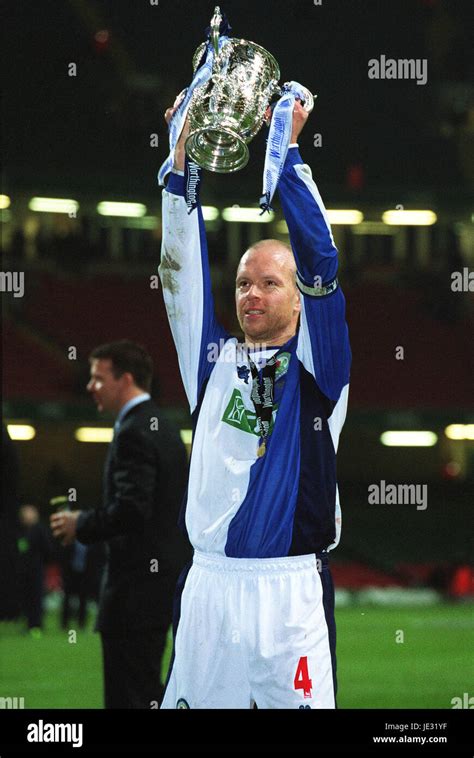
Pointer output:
186, 281
323, 344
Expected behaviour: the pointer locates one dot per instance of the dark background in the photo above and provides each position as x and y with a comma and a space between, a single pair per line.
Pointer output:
94, 128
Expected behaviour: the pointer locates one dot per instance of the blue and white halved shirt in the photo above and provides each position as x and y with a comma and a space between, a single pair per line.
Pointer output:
286, 502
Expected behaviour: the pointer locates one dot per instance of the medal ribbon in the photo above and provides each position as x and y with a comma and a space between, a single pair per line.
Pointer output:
262, 394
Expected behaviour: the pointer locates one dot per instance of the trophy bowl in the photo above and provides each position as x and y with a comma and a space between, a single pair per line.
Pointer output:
226, 112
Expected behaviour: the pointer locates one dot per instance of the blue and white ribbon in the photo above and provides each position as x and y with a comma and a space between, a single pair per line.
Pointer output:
192, 181
202, 75
278, 141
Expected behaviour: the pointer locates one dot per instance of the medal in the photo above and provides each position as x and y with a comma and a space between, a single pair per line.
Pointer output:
262, 398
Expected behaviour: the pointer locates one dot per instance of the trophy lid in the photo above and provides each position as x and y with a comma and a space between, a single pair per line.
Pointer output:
214, 36
216, 22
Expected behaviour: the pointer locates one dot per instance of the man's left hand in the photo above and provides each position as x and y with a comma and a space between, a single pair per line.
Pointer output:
300, 117
63, 525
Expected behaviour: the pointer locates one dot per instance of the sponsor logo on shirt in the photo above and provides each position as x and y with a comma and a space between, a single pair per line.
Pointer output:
240, 417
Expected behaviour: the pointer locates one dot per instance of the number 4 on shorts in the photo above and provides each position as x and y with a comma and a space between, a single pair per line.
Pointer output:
302, 680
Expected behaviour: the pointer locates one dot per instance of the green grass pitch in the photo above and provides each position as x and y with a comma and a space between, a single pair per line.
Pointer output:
393, 657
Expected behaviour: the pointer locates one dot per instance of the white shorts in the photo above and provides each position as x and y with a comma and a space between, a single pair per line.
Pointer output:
252, 631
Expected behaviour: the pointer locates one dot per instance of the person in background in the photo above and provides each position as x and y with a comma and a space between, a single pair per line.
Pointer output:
35, 549
74, 579
144, 480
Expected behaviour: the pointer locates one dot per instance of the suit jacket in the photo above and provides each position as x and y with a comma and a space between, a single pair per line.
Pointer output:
144, 480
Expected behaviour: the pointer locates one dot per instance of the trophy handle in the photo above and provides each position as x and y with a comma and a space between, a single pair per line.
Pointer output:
308, 100
216, 21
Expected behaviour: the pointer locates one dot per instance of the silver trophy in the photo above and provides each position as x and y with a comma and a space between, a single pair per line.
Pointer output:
228, 111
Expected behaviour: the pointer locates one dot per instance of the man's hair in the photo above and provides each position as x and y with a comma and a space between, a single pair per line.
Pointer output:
127, 356
279, 245
273, 242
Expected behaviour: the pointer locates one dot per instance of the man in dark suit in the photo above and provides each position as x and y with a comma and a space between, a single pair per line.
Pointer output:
144, 480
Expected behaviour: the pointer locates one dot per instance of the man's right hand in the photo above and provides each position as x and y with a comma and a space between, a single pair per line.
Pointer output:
63, 526
180, 153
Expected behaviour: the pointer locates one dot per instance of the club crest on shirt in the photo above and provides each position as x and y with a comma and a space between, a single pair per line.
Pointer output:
282, 365
243, 372
182, 703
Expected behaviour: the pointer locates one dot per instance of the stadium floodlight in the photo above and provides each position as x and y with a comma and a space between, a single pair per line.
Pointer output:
53, 205
247, 215
21, 432
409, 218
127, 210
4, 202
408, 439
210, 213
94, 434
342, 217
460, 431
186, 436
337, 217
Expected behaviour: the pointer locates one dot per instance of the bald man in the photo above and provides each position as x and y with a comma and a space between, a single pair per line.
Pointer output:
254, 623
